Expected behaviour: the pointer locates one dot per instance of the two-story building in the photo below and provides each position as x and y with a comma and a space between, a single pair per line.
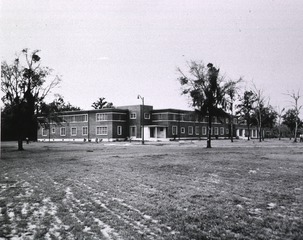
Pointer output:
131, 122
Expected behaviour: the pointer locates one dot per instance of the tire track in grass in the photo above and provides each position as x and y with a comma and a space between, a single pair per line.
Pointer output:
75, 211
9, 216
106, 230
34, 210
73, 203
40, 212
25, 216
144, 216
9, 185
72, 216
144, 224
129, 208
137, 226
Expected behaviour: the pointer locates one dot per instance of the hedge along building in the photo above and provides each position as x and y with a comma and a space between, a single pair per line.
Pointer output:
126, 122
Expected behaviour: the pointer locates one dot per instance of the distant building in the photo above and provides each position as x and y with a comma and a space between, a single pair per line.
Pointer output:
125, 122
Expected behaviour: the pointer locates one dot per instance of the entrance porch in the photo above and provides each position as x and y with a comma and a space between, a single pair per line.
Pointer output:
155, 132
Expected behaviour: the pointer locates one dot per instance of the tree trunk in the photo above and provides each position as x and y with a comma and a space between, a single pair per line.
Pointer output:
248, 129
231, 123
232, 133
209, 132
296, 130
232, 128
20, 144
260, 125
20, 130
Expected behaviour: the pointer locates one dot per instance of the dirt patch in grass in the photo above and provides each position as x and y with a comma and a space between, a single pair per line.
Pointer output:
240, 190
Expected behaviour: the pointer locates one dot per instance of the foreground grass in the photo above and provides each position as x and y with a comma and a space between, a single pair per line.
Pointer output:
180, 190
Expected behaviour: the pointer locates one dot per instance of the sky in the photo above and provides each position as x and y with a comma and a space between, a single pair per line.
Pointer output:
118, 49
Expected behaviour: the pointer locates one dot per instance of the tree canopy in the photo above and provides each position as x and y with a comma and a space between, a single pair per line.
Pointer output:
59, 105
295, 96
101, 103
204, 86
290, 119
25, 84
245, 108
231, 93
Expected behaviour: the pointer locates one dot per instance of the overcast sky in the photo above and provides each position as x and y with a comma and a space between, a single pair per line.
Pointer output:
119, 49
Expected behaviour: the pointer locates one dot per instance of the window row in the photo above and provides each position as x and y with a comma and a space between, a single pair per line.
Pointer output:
75, 118
190, 130
134, 116
74, 131
190, 117
104, 116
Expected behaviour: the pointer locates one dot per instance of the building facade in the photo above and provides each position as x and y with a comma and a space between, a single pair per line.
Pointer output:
134, 122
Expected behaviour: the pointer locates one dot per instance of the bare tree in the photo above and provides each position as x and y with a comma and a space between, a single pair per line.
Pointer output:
260, 104
25, 84
279, 115
295, 104
231, 90
245, 108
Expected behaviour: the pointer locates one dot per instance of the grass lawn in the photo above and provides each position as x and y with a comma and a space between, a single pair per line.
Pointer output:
173, 190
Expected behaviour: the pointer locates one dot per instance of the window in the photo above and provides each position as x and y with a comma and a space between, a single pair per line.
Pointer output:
161, 116
183, 130
81, 118
84, 130
221, 130
53, 130
73, 131
197, 130
119, 130
62, 131
214, 120
100, 117
44, 132
204, 130
133, 131
101, 131
216, 131
227, 120
133, 116
190, 130
235, 121
74, 118
174, 130
227, 131
85, 118
146, 116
